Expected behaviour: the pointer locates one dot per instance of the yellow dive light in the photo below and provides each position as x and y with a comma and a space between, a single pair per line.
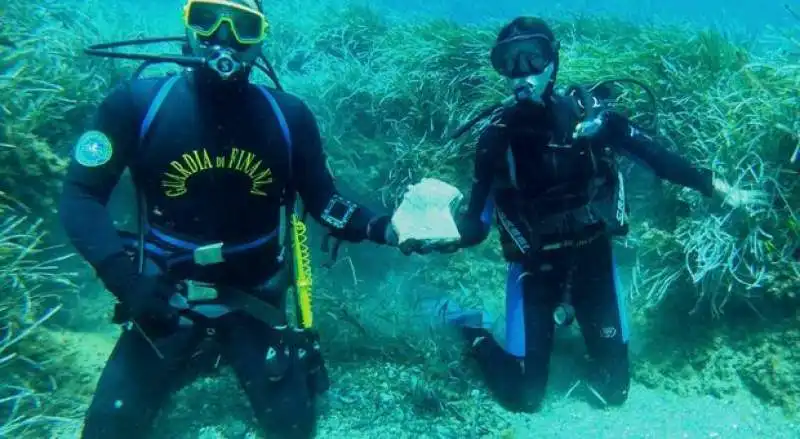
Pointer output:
302, 271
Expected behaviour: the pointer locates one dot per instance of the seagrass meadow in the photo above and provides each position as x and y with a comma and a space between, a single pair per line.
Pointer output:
714, 293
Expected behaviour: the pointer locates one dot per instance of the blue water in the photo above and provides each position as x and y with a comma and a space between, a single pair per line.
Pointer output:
752, 16
648, 410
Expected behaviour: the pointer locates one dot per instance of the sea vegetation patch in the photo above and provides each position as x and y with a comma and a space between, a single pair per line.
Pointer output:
713, 292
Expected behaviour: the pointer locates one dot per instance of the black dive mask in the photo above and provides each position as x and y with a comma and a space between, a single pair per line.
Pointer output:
524, 55
533, 89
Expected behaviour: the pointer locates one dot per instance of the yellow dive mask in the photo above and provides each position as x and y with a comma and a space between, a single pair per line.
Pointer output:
205, 17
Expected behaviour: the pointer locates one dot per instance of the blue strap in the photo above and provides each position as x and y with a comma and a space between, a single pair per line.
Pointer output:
287, 135
186, 245
226, 250
133, 242
187, 253
155, 105
488, 211
516, 343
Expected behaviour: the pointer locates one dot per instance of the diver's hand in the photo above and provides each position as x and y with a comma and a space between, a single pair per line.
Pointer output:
390, 235
381, 230
143, 298
424, 246
418, 246
749, 200
148, 303
410, 246
589, 128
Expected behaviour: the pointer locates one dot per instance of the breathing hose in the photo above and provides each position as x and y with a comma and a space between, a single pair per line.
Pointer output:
510, 101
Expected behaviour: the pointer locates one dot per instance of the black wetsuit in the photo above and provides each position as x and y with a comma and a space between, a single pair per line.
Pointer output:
215, 164
558, 203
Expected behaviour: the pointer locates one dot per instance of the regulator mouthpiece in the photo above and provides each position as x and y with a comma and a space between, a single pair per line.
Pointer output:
532, 88
223, 61
525, 93
564, 314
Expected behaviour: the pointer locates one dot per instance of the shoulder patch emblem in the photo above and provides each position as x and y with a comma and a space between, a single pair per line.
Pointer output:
93, 149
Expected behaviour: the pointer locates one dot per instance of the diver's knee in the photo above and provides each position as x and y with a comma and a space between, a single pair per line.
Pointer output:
618, 387
285, 424
108, 418
612, 382
289, 431
520, 391
517, 384
287, 410
617, 397
120, 407
524, 397
528, 400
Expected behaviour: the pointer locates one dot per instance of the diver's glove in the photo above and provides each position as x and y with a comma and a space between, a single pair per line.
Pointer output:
149, 304
424, 247
604, 123
588, 128
601, 123
144, 299
751, 201
420, 246
380, 231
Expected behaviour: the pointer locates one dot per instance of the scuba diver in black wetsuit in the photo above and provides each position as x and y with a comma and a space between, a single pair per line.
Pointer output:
217, 162
546, 169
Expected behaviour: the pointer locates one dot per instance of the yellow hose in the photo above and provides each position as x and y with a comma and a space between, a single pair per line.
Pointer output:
302, 271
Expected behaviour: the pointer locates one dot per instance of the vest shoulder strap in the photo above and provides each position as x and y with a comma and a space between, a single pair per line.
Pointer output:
166, 87
155, 105
276, 110
161, 96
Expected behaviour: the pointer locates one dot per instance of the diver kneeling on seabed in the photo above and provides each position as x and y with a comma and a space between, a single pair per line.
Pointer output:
546, 170
217, 163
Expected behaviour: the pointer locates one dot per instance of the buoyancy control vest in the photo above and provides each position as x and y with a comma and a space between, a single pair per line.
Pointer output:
548, 184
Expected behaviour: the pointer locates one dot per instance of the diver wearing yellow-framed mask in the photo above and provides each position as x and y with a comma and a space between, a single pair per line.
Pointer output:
228, 34
218, 164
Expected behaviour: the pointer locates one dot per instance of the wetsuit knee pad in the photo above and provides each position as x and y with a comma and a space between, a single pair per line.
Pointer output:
610, 375
518, 384
526, 397
286, 409
108, 418
313, 362
618, 385
119, 407
300, 349
534, 384
282, 392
